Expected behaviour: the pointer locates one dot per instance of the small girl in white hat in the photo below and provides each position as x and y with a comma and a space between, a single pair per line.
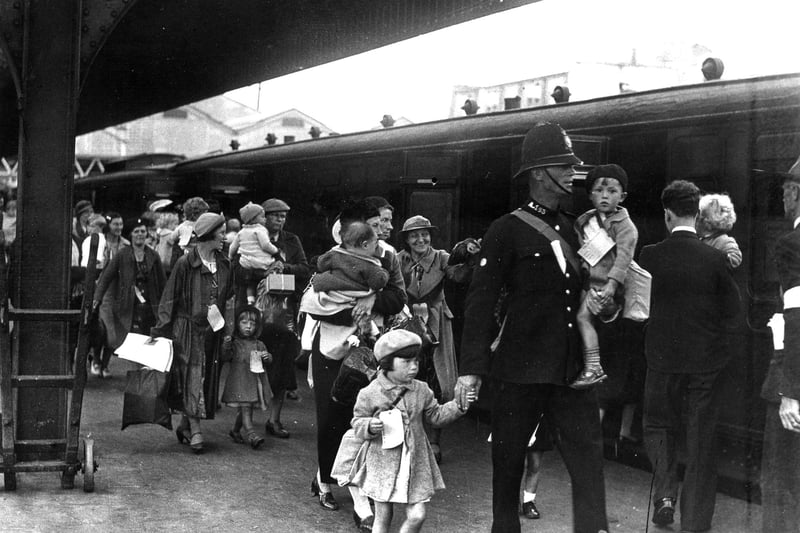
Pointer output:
395, 403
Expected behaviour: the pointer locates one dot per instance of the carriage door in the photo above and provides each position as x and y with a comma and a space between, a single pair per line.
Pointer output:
430, 189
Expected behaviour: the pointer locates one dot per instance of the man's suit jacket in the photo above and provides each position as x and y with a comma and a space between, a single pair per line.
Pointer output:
693, 299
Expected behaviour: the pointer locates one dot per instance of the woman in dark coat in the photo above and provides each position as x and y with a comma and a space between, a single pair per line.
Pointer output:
191, 309
138, 275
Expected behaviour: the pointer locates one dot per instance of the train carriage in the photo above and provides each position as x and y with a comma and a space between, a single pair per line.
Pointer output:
730, 136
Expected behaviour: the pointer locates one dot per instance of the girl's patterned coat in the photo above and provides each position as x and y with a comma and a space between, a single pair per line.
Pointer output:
378, 474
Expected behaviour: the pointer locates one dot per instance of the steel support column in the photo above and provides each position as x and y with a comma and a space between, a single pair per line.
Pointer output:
50, 78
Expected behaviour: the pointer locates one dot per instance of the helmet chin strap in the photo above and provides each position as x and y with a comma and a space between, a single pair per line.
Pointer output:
557, 184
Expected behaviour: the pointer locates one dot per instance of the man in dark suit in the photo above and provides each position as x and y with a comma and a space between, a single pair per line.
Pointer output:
529, 253
693, 298
780, 469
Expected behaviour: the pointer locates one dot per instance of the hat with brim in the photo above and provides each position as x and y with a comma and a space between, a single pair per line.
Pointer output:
546, 145
793, 175
417, 222
206, 224
82, 207
160, 204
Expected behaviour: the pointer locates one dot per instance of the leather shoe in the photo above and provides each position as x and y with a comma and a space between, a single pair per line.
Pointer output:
326, 499
276, 430
365, 524
529, 510
664, 512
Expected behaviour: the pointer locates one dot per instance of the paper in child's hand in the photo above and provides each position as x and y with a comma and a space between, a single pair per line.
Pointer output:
393, 434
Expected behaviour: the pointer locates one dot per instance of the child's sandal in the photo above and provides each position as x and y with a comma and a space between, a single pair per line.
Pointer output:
588, 378
255, 440
236, 436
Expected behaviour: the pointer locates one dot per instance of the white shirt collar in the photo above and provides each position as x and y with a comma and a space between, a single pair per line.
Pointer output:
796, 222
684, 228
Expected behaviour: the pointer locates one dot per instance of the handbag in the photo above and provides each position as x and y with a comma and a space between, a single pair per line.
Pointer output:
276, 309
638, 283
145, 399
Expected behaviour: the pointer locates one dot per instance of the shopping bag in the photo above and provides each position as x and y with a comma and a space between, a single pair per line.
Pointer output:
145, 399
638, 282
350, 458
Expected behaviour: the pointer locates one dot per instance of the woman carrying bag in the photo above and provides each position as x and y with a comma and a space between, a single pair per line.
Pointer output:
190, 313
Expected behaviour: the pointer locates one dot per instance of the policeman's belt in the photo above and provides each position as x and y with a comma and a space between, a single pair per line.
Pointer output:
552, 235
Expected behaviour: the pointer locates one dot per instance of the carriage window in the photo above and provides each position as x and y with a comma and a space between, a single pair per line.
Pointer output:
437, 206
698, 158
436, 166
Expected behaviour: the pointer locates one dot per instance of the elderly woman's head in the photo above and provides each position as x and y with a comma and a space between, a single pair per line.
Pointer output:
416, 235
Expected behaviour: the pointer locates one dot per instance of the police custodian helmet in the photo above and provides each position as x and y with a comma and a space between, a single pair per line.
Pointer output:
546, 144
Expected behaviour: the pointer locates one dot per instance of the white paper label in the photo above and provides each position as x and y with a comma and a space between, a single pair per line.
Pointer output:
595, 248
393, 434
215, 318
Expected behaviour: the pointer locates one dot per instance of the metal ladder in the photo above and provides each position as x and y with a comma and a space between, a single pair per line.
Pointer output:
70, 462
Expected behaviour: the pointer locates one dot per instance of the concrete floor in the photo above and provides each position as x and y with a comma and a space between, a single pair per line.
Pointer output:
148, 482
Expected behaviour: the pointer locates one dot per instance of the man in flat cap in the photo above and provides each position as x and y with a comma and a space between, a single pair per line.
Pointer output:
530, 253
693, 299
780, 471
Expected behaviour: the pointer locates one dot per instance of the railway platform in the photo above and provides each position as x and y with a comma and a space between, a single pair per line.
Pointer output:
147, 481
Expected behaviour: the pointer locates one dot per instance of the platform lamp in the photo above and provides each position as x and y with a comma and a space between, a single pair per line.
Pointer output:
712, 68
470, 106
561, 94
387, 121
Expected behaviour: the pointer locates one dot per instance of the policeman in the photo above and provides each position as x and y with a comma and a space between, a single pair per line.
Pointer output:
529, 255
780, 467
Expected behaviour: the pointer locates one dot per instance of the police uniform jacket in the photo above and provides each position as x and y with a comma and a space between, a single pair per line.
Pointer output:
539, 340
787, 261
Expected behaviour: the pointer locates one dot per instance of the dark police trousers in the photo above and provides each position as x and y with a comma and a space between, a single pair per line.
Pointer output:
666, 397
573, 416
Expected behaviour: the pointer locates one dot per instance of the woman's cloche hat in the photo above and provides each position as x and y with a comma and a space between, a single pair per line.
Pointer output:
417, 222
207, 223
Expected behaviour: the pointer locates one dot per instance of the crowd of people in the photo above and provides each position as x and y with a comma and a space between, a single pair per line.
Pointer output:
543, 288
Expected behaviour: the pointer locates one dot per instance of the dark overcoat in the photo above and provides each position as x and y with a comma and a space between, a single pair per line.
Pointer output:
122, 270
183, 317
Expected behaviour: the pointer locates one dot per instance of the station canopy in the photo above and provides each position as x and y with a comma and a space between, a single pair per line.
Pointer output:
139, 57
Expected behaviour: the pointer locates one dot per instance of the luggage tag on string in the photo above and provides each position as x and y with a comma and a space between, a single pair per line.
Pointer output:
393, 431
215, 318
